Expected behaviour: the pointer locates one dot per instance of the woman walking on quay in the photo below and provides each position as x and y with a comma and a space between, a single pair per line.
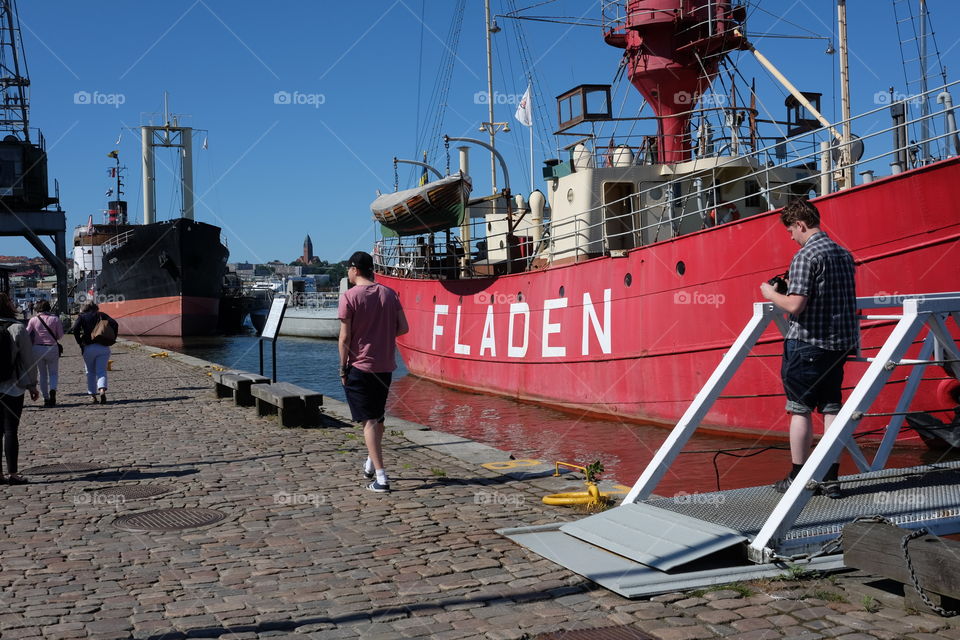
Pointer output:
17, 374
95, 332
46, 331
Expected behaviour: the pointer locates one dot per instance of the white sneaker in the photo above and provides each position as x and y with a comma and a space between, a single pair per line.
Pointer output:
376, 487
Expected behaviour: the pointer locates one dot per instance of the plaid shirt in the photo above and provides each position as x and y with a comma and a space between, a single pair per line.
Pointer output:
823, 271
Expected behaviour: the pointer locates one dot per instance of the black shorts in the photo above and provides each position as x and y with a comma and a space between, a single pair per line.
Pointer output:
367, 394
812, 377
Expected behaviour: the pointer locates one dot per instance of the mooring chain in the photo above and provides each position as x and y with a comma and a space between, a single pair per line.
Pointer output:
832, 545
922, 531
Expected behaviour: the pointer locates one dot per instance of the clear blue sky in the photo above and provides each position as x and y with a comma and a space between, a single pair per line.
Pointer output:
275, 172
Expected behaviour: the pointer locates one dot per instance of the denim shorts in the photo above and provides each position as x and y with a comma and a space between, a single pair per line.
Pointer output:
812, 377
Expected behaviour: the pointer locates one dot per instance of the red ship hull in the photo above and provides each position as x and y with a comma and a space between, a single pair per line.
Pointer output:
170, 316
636, 337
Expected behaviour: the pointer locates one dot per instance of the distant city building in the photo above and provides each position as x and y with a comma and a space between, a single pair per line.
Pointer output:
287, 270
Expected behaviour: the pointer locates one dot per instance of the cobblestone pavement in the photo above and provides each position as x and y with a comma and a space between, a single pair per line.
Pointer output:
306, 550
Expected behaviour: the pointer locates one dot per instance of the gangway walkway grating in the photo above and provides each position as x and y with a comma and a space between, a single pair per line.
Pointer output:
927, 495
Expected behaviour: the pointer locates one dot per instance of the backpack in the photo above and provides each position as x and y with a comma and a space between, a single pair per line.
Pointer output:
103, 332
8, 352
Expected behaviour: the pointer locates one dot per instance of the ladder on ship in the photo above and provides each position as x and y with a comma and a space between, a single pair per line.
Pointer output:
650, 544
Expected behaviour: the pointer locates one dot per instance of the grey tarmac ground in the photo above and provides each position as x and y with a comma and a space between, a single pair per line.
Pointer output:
306, 551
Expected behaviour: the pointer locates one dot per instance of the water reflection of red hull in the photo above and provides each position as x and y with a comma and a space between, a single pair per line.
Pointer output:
530, 431
637, 336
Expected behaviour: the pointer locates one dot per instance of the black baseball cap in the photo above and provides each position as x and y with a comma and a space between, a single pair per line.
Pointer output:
362, 260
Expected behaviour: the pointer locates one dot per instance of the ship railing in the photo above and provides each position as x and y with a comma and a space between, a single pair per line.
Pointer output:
412, 258
811, 156
613, 16
728, 143
115, 242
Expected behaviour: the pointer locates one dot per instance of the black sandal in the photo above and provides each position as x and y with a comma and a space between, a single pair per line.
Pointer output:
16, 478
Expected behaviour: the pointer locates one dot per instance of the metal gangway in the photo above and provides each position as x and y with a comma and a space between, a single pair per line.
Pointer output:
650, 544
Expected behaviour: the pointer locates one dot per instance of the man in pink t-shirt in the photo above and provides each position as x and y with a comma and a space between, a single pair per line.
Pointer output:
371, 318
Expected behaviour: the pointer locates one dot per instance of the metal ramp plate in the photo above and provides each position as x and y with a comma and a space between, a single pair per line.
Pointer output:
607, 549
655, 537
635, 580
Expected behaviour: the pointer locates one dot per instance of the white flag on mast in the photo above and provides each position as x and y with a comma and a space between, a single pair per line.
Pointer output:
525, 109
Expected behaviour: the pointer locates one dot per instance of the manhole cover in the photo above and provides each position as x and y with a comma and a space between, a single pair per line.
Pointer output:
131, 491
62, 467
175, 519
603, 633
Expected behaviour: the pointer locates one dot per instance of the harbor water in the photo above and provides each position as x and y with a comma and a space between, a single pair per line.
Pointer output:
526, 430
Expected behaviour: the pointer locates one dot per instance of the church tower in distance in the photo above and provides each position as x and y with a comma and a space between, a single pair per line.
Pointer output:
307, 251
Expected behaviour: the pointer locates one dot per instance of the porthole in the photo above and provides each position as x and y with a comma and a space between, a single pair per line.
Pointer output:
570, 196
627, 280
519, 296
681, 268
562, 291
434, 299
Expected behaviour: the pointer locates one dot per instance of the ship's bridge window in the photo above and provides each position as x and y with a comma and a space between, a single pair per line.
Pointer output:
586, 103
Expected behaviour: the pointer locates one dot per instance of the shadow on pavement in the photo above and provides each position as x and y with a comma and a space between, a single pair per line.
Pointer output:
370, 617
117, 476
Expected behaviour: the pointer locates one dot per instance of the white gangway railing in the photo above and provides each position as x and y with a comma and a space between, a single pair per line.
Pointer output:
930, 311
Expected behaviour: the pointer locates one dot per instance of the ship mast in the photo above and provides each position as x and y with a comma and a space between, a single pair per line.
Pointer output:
168, 135
490, 100
490, 126
846, 155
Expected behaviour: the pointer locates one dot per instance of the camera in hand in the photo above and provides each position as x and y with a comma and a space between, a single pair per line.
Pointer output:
779, 282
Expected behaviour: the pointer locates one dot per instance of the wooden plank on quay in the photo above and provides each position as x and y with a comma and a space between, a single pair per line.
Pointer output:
875, 547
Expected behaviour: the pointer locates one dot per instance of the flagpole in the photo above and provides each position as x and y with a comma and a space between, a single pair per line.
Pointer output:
531, 158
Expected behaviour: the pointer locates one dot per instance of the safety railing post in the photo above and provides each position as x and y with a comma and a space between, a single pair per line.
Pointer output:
763, 314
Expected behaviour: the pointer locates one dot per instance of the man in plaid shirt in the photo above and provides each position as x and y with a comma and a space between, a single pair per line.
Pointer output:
823, 331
